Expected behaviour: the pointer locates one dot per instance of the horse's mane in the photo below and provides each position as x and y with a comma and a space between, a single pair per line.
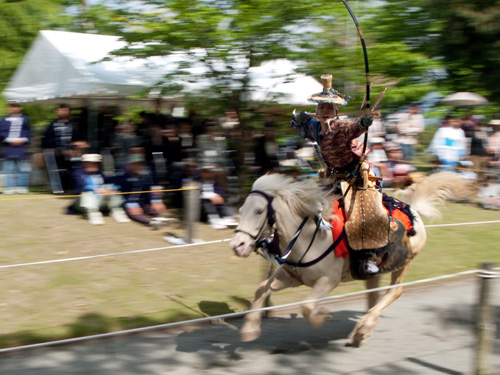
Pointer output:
302, 196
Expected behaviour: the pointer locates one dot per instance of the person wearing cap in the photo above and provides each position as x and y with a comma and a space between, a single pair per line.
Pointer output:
145, 205
213, 204
96, 192
15, 135
336, 138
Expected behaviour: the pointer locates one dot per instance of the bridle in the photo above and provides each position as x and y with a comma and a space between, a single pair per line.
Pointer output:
270, 219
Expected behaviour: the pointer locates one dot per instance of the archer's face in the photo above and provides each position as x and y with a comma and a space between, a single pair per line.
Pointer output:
326, 111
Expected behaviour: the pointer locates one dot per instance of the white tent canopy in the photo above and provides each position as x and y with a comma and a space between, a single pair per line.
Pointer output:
66, 65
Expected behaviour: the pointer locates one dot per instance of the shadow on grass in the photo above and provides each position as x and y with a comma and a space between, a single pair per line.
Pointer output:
89, 324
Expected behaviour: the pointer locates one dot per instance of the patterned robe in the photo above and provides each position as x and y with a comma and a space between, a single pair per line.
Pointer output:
339, 147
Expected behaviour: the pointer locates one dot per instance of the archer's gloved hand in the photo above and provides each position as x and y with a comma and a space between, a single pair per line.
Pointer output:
300, 117
366, 121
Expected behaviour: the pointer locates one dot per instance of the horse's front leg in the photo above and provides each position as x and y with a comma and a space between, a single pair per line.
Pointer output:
314, 314
365, 326
280, 280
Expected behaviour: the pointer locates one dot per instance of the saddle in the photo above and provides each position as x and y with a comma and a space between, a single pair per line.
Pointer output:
376, 227
367, 222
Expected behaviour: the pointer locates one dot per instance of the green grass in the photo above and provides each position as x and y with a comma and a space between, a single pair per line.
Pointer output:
59, 300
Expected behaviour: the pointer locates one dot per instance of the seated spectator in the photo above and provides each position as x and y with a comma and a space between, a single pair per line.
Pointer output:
213, 208
399, 168
489, 195
145, 206
93, 188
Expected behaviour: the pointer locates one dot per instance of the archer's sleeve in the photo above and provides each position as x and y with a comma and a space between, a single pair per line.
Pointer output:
306, 127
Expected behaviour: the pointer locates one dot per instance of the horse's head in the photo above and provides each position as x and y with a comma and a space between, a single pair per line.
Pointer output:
256, 220
291, 198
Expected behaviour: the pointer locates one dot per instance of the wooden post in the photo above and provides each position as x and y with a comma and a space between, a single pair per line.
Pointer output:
485, 324
191, 207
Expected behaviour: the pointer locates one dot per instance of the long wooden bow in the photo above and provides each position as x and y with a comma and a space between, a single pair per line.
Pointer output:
367, 70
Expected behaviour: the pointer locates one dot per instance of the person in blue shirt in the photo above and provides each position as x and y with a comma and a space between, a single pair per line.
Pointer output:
145, 204
96, 192
15, 135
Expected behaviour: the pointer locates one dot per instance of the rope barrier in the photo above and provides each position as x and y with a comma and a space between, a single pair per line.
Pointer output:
227, 316
114, 193
185, 245
111, 254
489, 274
456, 224
432, 165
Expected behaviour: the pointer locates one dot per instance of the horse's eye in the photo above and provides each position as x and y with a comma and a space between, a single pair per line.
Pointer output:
259, 211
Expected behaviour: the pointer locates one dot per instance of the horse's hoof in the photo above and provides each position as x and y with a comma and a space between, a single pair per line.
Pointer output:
249, 336
357, 338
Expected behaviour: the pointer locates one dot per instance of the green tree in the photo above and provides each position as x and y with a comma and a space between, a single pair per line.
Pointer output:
20, 23
469, 44
460, 38
224, 39
229, 37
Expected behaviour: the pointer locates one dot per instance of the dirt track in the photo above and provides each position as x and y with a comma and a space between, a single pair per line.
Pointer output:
429, 330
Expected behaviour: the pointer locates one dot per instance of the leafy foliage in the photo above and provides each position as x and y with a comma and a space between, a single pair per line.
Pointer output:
19, 25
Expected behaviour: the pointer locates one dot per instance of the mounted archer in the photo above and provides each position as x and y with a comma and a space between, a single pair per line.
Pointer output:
374, 223
336, 138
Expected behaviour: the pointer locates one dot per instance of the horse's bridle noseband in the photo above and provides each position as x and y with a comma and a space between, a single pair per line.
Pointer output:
271, 216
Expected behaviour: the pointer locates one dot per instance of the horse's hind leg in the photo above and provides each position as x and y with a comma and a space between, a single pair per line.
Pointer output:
373, 297
280, 280
365, 326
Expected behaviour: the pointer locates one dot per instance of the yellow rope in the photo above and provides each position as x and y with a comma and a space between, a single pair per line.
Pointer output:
115, 193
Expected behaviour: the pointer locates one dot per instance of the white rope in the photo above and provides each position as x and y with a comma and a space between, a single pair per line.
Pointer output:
227, 316
472, 223
179, 246
489, 274
112, 254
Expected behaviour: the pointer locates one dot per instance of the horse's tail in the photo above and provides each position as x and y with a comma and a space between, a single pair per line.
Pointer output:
428, 196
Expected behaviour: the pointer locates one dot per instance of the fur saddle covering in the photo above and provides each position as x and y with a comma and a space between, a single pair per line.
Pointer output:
377, 228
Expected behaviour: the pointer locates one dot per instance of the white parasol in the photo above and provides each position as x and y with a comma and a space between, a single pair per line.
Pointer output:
464, 98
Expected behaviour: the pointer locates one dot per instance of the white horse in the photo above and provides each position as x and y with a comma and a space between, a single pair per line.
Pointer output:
281, 203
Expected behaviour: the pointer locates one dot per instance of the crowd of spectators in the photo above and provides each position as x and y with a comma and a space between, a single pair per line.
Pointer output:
463, 144
143, 158
139, 159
